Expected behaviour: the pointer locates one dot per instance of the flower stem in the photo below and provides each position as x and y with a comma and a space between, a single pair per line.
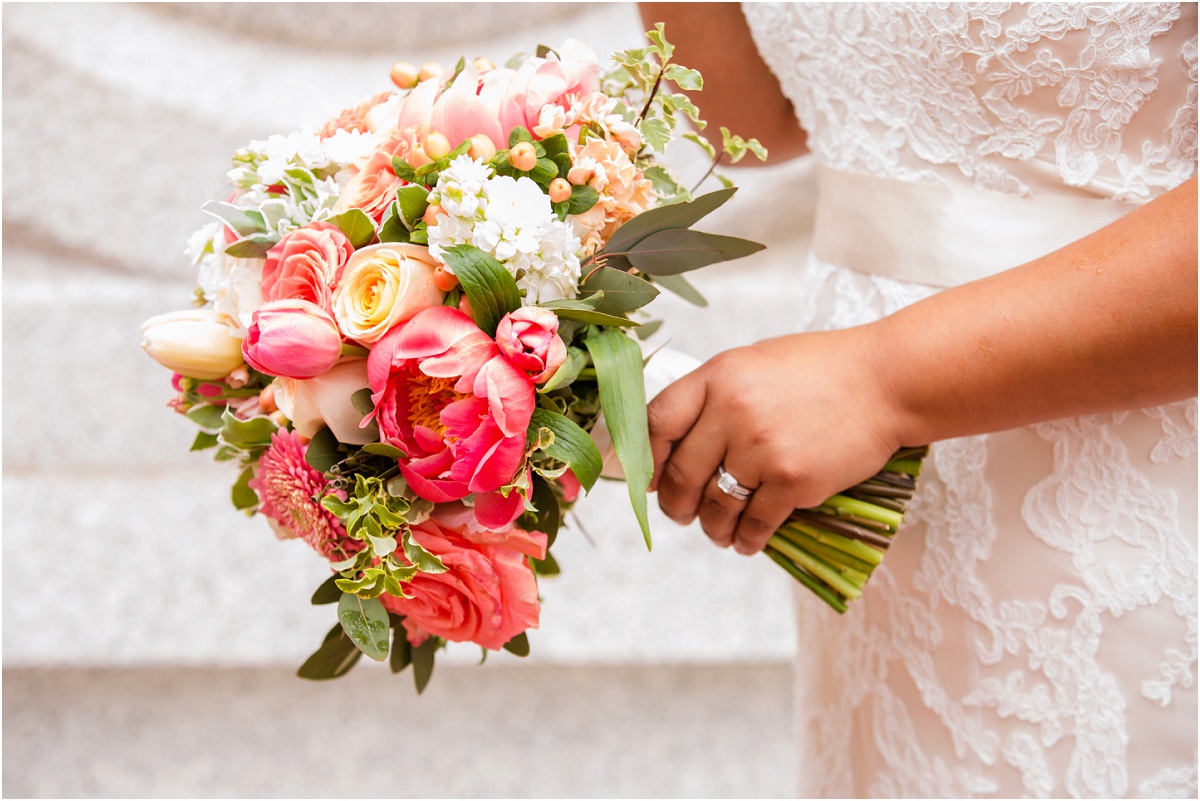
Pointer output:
856, 508
852, 548
822, 591
818, 567
355, 351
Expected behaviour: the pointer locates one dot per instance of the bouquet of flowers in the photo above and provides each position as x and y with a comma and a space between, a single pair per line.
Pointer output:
412, 326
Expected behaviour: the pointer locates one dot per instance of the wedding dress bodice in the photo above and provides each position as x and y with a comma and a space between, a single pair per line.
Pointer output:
1033, 631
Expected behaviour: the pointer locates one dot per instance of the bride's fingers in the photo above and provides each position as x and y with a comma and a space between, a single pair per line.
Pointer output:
687, 470
672, 414
719, 512
769, 508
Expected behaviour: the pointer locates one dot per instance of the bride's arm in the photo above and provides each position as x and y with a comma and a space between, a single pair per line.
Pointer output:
740, 91
1106, 323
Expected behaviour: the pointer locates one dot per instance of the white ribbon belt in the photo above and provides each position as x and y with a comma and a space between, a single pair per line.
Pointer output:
944, 235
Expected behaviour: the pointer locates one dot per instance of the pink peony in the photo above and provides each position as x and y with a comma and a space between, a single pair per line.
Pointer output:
289, 493
458, 409
488, 594
292, 339
306, 265
529, 339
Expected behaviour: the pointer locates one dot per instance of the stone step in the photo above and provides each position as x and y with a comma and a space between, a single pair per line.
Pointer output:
492, 731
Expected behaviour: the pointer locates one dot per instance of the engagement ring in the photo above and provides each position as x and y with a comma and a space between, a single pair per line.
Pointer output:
729, 485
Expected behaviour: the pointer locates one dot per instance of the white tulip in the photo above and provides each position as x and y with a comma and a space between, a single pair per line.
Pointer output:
196, 343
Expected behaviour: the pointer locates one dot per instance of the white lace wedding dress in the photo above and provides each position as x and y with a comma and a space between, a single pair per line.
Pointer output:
1033, 632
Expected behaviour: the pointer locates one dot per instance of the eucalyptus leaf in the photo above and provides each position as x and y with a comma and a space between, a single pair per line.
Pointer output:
328, 592
682, 250
334, 658
490, 289
365, 621
572, 445
361, 400
323, 452
242, 495
518, 646
618, 361
356, 225
568, 310
648, 329
422, 661
254, 246
665, 218
383, 449
622, 292
401, 656
680, 286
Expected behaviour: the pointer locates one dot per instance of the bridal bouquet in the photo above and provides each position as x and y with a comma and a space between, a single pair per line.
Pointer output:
410, 323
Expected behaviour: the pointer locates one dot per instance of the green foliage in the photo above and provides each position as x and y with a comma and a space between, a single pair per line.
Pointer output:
518, 646
582, 199
568, 371
736, 147
668, 189
622, 292
334, 658
546, 567
422, 662
323, 451
665, 218
356, 225
243, 497
681, 250
365, 622
577, 310
567, 443
327, 593
209, 416
254, 246
203, 441
247, 435
401, 655
618, 361
680, 286
547, 516
244, 222
490, 289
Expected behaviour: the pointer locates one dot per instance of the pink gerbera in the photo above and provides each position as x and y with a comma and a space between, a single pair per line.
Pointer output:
290, 491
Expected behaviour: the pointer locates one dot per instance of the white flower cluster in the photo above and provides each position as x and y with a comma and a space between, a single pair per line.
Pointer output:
231, 286
512, 220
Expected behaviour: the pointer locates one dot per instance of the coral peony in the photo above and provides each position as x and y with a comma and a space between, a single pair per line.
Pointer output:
289, 493
488, 594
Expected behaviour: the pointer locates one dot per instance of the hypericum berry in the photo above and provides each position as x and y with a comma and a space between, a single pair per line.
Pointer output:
482, 148
437, 145
444, 280
484, 64
404, 75
560, 190
430, 69
432, 212
523, 157
417, 157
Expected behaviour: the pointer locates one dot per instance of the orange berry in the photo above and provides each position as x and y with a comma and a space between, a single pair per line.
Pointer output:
432, 212
437, 145
523, 157
417, 157
404, 75
560, 190
266, 399
482, 148
484, 64
430, 69
444, 280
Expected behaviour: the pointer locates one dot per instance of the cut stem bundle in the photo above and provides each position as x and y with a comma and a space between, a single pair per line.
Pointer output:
834, 548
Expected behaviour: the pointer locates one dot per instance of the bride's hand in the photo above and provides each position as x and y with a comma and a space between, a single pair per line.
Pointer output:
797, 419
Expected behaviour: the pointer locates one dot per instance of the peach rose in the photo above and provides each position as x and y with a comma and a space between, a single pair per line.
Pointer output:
382, 286
624, 191
325, 401
306, 265
373, 188
488, 594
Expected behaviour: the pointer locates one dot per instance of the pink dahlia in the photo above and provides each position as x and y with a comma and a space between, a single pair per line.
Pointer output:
289, 493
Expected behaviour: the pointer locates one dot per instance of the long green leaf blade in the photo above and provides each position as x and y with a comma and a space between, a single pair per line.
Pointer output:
663, 218
680, 286
618, 361
680, 251
491, 291
571, 445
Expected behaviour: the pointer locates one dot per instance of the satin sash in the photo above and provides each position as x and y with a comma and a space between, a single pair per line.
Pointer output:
944, 235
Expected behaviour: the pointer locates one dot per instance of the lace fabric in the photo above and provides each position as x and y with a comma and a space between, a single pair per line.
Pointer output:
1033, 632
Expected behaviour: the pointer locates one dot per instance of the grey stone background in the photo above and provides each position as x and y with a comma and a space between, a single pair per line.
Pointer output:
150, 632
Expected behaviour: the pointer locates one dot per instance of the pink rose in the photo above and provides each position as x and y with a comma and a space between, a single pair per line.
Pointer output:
292, 339
458, 409
529, 339
488, 594
306, 265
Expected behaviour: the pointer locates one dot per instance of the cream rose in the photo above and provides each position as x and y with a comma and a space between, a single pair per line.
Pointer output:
382, 286
325, 401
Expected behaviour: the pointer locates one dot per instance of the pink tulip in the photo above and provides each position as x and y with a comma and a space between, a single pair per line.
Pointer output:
529, 339
292, 339
459, 410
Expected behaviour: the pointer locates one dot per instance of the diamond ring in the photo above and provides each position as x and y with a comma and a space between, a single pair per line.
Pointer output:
729, 485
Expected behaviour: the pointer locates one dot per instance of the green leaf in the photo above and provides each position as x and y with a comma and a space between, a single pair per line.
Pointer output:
572, 445
243, 497
412, 200
356, 225
383, 449
254, 246
543, 51
392, 227
684, 78
402, 169
421, 559
361, 400
665, 186
656, 133
422, 662
618, 361
548, 516
568, 310
622, 292
703, 142
243, 221
334, 658
518, 646
365, 621
680, 286
679, 102
544, 171
203, 441
567, 372
546, 567
519, 134
583, 197
323, 452
682, 250
382, 546
648, 329
661, 46
328, 592
247, 434
401, 656
555, 146
665, 218
208, 416
490, 289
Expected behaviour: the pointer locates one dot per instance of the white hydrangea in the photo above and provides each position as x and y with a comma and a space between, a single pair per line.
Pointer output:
281, 153
351, 147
